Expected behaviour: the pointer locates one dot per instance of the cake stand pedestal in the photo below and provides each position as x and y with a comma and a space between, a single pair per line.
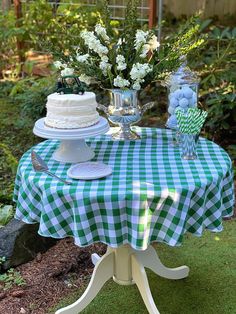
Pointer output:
73, 147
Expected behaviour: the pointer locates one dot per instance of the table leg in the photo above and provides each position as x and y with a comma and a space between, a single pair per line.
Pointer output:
140, 278
103, 271
126, 266
151, 260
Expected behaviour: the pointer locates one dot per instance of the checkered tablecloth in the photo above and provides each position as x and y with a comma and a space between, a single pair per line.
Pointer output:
152, 194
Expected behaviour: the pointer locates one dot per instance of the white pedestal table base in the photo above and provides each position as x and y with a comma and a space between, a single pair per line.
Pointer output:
126, 266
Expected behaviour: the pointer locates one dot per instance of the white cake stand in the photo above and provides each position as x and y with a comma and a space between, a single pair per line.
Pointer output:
72, 146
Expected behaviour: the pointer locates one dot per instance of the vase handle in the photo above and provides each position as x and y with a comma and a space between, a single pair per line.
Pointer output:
147, 106
102, 108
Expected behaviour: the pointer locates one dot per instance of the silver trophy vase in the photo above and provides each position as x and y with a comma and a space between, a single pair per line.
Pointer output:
124, 110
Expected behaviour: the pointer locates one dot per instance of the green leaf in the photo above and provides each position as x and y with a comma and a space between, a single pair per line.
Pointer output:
6, 213
205, 24
226, 33
234, 32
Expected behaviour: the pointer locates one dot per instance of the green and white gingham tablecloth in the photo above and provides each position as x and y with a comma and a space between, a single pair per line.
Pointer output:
152, 195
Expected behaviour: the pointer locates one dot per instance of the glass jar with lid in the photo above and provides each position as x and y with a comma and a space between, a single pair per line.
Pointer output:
182, 88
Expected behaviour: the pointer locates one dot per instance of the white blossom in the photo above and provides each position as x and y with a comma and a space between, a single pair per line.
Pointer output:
121, 64
100, 30
85, 78
59, 64
67, 72
136, 85
140, 39
153, 43
120, 41
94, 43
104, 58
144, 51
82, 58
139, 71
105, 67
120, 82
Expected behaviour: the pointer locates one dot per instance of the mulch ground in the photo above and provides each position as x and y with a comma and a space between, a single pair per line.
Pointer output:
50, 277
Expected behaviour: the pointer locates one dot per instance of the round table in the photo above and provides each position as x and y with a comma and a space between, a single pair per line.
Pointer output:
152, 196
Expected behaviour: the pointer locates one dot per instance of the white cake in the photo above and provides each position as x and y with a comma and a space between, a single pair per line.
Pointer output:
71, 111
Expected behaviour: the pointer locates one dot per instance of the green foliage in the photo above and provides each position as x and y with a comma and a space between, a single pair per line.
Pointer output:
8, 37
42, 23
6, 214
216, 63
31, 93
5, 88
58, 26
184, 41
11, 278
10, 159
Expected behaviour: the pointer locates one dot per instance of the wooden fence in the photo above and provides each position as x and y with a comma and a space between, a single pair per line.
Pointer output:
177, 8
210, 8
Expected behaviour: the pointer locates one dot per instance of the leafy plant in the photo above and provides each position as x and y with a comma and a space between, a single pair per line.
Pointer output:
10, 159
41, 22
6, 214
5, 88
216, 63
11, 278
32, 94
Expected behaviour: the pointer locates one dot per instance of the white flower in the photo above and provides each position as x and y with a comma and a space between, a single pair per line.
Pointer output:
120, 41
121, 64
153, 43
58, 64
144, 51
100, 30
136, 85
86, 79
104, 66
94, 43
140, 38
104, 58
82, 58
139, 71
67, 72
120, 82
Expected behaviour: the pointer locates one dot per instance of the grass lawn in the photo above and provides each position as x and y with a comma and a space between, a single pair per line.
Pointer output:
209, 289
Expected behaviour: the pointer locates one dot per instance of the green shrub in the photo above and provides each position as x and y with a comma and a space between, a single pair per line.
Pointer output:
32, 94
216, 63
41, 23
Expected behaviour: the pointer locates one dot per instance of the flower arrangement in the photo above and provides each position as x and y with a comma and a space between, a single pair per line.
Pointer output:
129, 61
113, 64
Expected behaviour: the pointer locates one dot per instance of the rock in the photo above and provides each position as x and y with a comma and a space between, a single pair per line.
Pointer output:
20, 243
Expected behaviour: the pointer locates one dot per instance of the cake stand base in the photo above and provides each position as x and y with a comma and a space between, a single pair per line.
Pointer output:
73, 151
72, 147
